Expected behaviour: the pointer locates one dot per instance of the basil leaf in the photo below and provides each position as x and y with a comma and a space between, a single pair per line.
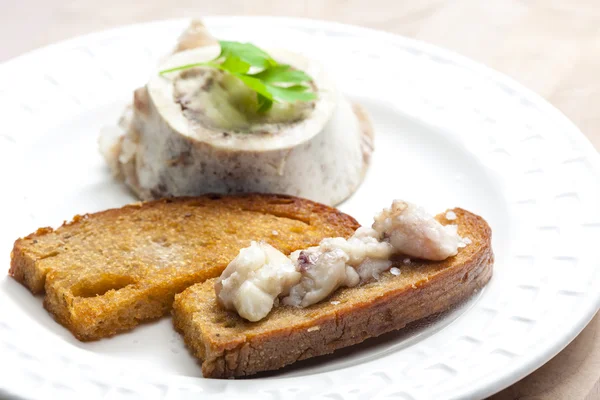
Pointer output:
246, 52
264, 104
272, 83
188, 66
256, 85
235, 65
291, 93
282, 74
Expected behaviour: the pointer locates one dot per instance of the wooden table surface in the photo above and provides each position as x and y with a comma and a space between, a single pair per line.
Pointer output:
550, 46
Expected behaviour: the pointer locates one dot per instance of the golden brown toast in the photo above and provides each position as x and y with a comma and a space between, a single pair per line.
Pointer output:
231, 346
106, 272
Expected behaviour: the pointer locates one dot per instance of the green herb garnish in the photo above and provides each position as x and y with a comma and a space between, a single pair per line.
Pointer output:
272, 82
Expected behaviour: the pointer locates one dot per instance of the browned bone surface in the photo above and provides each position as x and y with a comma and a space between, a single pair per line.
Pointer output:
106, 272
231, 346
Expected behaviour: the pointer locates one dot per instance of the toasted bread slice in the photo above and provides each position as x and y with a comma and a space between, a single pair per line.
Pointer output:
105, 272
231, 346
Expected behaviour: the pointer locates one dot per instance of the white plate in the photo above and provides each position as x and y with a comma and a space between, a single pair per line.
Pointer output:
449, 132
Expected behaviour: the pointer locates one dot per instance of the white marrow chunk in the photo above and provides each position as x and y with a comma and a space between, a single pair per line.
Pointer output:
414, 232
252, 281
364, 243
322, 273
370, 268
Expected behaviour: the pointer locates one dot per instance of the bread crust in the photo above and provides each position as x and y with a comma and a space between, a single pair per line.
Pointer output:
106, 272
230, 346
